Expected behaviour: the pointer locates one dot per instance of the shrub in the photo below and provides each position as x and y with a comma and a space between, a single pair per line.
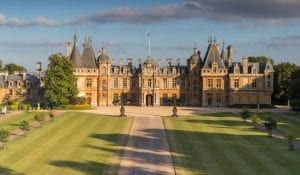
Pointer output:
270, 124
245, 114
51, 115
24, 125
255, 120
14, 107
4, 136
77, 107
290, 138
40, 117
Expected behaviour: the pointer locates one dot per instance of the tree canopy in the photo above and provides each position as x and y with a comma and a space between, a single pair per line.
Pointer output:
261, 59
60, 82
282, 81
11, 67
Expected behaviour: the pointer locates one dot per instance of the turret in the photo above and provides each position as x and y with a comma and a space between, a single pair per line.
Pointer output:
245, 65
68, 48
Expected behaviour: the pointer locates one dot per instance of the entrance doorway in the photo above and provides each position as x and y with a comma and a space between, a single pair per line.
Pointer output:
149, 100
209, 99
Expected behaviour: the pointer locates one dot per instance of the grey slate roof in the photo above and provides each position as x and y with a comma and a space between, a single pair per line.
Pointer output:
212, 56
75, 57
88, 56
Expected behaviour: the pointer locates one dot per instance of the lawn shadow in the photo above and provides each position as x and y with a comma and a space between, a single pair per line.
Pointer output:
7, 171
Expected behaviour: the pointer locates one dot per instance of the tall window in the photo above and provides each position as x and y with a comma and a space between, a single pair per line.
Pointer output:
89, 83
115, 82
269, 84
124, 82
104, 85
210, 83
116, 97
182, 82
174, 83
133, 98
254, 71
165, 98
218, 98
253, 83
236, 83
218, 83
214, 69
133, 83
149, 83
165, 81
182, 96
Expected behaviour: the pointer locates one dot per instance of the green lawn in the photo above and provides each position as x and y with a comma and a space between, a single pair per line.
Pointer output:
74, 143
223, 144
12, 123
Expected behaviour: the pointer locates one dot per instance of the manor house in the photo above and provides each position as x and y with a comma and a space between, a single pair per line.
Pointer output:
209, 79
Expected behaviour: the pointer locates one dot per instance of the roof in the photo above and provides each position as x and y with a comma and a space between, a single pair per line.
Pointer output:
88, 55
212, 56
195, 58
75, 57
103, 57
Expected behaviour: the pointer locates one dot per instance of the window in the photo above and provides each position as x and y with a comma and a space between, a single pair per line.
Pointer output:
254, 71
218, 98
165, 98
182, 82
194, 89
253, 83
165, 81
269, 77
103, 95
236, 83
133, 83
214, 69
149, 83
194, 82
133, 98
182, 96
104, 85
116, 98
174, 83
89, 83
218, 83
115, 82
210, 83
269, 84
124, 82
10, 92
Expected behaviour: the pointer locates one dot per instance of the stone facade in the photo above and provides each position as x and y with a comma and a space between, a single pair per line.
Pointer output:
214, 80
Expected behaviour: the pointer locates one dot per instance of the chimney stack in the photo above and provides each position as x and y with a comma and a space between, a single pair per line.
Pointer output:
68, 48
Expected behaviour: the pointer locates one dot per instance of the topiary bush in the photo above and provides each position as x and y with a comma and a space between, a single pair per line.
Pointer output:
24, 125
51, 115
270, 124
3, 136
245, 114
255, 120
40, 117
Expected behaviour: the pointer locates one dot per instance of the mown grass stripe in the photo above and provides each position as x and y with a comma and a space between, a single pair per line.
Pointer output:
68, 140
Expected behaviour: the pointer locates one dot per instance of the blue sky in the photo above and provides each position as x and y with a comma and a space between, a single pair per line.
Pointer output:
32, 30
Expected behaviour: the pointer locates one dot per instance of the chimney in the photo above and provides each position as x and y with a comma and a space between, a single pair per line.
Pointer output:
68, 48
245, 65
169, 60
129, 62
38, 69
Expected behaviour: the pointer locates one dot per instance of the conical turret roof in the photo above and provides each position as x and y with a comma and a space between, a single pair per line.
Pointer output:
88, 55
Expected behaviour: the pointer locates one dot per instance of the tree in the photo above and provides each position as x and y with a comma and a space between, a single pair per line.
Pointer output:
270, 124
14, 67
261, 59
245, 114
294, 90
60, 82
3, 137
282, 81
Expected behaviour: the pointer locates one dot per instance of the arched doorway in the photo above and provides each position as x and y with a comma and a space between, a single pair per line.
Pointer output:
149, 100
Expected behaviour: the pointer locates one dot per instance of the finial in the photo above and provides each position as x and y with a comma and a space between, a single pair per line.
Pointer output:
75, 39
215, 39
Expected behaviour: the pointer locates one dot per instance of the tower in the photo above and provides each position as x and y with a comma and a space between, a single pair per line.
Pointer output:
68, 48
38, 69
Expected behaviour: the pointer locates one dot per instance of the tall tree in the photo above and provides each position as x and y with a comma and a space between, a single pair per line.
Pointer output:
11, 67
60, 82
282, 81
294, 90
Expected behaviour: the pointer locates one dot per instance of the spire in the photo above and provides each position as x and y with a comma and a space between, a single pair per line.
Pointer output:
149, 51
195, 48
